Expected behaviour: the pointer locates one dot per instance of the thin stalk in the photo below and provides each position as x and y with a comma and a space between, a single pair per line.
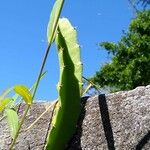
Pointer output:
2, 118
34, 92
20, 125
39, 76
50, 106
90, 85
41, 70
96, 87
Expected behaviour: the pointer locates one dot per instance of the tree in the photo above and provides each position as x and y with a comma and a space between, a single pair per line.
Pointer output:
139, 4
130, 64
144, 3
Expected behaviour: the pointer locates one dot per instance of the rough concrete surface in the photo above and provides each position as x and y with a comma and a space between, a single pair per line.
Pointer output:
118, 121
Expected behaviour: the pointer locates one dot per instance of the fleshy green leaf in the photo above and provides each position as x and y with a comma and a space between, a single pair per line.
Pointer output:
17, 98
12, 120
54, 17
3, 103
24, 92
68, 108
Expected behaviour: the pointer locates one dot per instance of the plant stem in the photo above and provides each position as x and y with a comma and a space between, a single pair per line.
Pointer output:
87, 89
50, 106
17, 133
34, 92
41, 70
40, 73
96, 87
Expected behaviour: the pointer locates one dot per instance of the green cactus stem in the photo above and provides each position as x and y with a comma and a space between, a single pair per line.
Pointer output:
67, 111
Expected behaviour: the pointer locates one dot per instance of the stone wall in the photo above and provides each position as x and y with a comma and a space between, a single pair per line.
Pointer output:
118, 121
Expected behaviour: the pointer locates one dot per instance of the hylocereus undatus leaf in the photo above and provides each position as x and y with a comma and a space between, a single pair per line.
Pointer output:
67, 110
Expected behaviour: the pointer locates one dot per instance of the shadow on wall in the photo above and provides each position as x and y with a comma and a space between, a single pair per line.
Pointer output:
108, 128
104, 112
106, 121
76, 140
143, 141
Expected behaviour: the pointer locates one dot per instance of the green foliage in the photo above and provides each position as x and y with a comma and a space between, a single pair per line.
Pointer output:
12, 120
54, 17
3, 103
142, 4
10, 105
68, 107
24, 92
130, 65
69, 87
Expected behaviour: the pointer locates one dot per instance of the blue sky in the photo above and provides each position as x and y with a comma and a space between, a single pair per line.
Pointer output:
23, 38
